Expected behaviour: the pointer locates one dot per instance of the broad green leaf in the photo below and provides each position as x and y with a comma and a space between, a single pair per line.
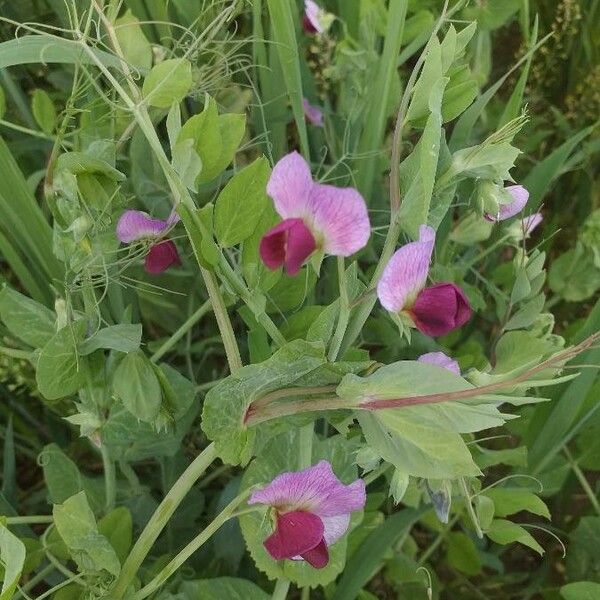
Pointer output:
77, 526
583, 558
240, 204
198, 224
431, 74
232, 127
506, 532
135, 383
12, 555
508, 501
168, 82
122, 337
491, 14
574, 276
279, 455
117, 528
460, 92
581, 590
137, 50
60, 371
205, 130
221, 588
43, 111
463, 554
187, 163
226, 404
26, 319
527, 314
2, 103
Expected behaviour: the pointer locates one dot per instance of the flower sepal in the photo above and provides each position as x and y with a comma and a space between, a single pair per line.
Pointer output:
404, 323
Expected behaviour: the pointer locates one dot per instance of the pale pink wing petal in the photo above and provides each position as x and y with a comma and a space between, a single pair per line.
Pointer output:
342, 499
441, 360
335, 527
340, 217
296, 532
311, 12
406, 272
135, 225
300, 490
289, 186
313, 113
531, 222
520, 196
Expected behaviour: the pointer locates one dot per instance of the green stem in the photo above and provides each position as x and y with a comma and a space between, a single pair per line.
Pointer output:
484, 253
305, 595
181, 332
583, 481
281, 589
15, 353
62, 584
110, 478
160, 518
344, 316
305, 439
33, 132
470, 509
33, 520
438, 540
35, 580
196, 543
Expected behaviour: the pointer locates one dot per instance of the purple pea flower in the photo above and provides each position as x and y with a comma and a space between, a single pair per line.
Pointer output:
311, 510
435, 310
531, 222
312, 113
135, 225
311, 22
315, 216
441, 360
506, 211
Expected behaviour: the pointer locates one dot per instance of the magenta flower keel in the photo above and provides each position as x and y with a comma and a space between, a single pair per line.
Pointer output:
434, 311
312, 511
135, 225
312, 113
336, 218
440, 309
505, 211
441, 360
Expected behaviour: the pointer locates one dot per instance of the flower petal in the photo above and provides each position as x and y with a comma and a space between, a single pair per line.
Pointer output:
290, 243
440, 309
340, 216
318, 557
506, 211
315, 489
311, 14
289, 186
441, 360
296, 532
312, 113
335, 527
531, 222
161, 256
406, 272
135, 225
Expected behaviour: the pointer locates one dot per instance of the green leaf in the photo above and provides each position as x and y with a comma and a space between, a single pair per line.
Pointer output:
527, 314
76, 525
122, 337
232, 127
226, 404
187, 163
583, 558
506, 532
508, 501
117, 528
581, 590
280, 455
26, 319
12, 555
2, 103
168, 82
135, 383
60, 372
463, 554
221, 588
43, 111
574, 276
137, 50
240, 204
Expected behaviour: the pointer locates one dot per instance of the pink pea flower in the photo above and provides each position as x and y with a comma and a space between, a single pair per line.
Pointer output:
531, 222
315, 216
506, 211
435, 310
312, 22
135, 225
311, 511
441, 360
312, 113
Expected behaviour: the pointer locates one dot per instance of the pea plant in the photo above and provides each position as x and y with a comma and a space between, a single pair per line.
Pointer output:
256, 310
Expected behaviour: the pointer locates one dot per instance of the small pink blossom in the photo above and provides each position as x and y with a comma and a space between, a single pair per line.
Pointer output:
312, 18
315, 217
135, 225
435, 310
441, 360
312, 113
506, 211
311, 510
531, 222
